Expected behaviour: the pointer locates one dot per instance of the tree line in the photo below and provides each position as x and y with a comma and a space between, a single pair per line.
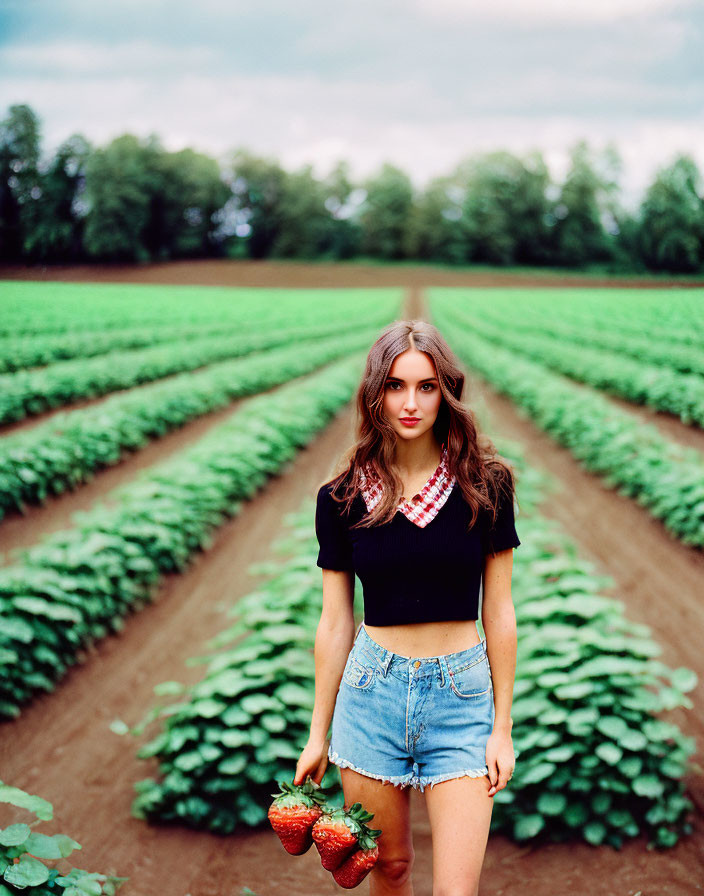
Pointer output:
133, 201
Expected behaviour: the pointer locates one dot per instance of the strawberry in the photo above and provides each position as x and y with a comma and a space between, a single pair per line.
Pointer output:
294, 812
356, 867
336, 834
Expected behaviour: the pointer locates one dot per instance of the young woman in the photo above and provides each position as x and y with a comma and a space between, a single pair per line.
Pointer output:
422, 511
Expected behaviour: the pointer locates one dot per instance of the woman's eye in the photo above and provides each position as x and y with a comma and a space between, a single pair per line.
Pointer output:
430, 386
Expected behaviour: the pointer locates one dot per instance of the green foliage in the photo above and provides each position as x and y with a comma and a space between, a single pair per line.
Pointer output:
22, 850
662, 475
506, 210
244, 724
343, 234
146, 203
385, 213
19, 159
580, 236
671, 229
65, 451
32, 308
303, 218
53, 227
593, 757
258, 189
648, 325
120, 182
75, 586
435, 227
562, 348
33, 391
185, 213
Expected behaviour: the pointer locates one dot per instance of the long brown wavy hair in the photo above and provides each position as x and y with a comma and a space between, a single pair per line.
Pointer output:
481, 473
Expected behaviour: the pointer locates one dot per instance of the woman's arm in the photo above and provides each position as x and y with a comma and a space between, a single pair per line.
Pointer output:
499, 623
333, 642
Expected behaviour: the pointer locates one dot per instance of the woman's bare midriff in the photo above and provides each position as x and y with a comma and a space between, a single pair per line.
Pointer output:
426, 638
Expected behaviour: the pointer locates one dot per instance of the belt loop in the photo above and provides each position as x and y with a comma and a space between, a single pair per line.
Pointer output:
442, 672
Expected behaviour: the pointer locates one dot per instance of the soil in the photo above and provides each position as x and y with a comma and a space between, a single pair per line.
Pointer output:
62, 749
226, 272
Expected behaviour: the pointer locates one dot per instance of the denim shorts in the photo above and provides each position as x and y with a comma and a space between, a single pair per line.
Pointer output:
413, 720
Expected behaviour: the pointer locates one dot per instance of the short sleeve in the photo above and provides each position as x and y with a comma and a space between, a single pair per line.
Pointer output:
333, 535
502, 535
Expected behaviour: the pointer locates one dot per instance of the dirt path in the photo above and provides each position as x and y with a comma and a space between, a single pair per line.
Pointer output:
226, 272
19, 531
669, 426
61, 747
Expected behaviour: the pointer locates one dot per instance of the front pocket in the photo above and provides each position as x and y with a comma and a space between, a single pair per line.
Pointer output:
359, 673
472, 679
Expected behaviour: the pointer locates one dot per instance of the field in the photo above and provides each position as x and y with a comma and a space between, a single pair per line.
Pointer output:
624, 516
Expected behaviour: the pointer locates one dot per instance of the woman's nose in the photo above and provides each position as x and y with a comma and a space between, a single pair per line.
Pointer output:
410, 403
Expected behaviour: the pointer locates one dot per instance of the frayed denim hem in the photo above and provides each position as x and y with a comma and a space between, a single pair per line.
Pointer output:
424, 780
396, 780
418, 783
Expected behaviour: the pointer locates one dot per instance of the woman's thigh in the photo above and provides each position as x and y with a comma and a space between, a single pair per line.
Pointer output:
390, 805
460, 814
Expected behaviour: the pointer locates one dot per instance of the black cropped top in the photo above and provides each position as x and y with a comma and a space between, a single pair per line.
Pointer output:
413, 574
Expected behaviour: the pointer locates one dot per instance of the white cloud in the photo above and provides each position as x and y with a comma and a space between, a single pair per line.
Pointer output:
544, 11
95, 58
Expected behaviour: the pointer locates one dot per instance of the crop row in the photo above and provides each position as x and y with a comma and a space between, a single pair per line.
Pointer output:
18, 352
24, 351
65, 451
592, 758
664, 477
32, 308
77, 585
25, 393
662, 315
662, 388
666, 351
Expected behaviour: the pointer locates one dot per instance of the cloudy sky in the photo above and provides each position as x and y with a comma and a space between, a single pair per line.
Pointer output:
421, 83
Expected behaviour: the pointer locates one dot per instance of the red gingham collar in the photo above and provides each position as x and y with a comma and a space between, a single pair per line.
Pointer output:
432, 496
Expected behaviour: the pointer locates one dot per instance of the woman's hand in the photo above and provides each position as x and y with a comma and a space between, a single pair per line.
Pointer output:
313, 761
500, 759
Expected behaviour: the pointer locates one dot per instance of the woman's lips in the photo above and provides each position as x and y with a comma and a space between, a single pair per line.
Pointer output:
409, 421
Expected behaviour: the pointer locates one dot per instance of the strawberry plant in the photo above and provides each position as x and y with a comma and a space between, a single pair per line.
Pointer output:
23, 851
77, 585
655, 384
28, 392
663, 476
244, 724
65, 451
31, 308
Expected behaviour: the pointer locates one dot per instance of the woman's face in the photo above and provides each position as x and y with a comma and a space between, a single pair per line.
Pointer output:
412, 390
